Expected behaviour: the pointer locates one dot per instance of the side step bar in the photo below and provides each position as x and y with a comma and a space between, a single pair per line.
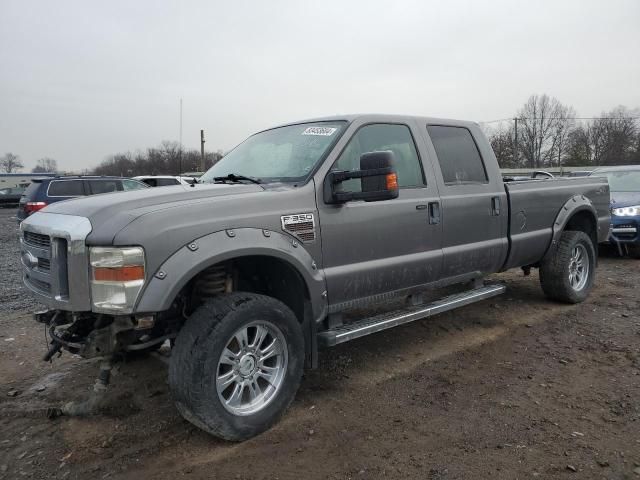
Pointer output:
377, 323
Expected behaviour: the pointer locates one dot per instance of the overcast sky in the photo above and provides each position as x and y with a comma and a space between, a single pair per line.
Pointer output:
80, 80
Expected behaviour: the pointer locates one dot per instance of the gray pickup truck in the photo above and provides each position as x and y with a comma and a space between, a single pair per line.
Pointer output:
304, 236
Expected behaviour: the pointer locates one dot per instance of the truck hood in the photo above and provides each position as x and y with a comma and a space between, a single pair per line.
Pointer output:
164, 219
111, 212
624, 199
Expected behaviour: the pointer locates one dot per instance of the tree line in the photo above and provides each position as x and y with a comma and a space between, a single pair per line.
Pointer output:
547, 133
166, 159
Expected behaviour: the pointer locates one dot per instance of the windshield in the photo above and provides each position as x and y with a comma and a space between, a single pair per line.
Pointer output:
285, 154
622, 181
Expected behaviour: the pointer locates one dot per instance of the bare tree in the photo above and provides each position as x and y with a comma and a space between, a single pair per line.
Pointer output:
614, 137
579, 148
565, 121
502, 142
10, 163
45, 165
543, 129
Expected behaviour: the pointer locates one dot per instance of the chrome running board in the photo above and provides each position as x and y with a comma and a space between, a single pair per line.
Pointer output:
366, 326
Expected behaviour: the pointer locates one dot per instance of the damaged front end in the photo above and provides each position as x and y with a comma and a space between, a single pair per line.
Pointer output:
93, 335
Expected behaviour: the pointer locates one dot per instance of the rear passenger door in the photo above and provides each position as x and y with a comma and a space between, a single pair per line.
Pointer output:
473, 202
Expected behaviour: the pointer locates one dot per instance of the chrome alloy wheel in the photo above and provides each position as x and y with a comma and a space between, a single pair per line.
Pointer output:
251, 368
578, 267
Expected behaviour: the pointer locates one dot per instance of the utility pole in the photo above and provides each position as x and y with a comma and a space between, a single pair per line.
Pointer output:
202, 150
180, 152
516, 150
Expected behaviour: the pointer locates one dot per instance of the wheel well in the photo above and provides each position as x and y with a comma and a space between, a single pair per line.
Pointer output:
584, 221
257, 274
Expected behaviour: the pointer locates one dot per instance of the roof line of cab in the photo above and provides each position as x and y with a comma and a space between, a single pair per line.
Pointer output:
375, 117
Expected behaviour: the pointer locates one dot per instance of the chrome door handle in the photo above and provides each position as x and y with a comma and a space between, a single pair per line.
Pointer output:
434, 213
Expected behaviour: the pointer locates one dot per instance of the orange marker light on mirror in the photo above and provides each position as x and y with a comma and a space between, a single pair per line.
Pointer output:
392, 181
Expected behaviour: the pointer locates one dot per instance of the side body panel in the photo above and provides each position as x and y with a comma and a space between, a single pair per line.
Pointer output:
540, 209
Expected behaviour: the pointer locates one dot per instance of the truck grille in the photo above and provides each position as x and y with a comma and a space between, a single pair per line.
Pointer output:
55, 260
37, 239
39, 254
44, 264
44, 287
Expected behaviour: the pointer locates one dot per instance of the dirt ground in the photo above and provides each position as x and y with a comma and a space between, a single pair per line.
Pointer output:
515, 387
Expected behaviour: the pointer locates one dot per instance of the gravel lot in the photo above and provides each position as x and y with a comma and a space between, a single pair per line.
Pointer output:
13, 297
515, 387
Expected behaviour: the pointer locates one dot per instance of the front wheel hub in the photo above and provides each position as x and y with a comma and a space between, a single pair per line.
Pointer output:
247, 365
251, 368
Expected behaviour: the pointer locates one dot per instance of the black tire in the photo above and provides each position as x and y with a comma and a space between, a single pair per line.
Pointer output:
634, 251
198, 349
555, 269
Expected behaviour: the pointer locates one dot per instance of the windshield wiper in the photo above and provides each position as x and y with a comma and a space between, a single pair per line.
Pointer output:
236, 178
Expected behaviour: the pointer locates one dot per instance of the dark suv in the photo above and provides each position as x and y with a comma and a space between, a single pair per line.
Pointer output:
44, 191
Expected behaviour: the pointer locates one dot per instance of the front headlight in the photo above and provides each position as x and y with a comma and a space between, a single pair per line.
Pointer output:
117, 276
626, 211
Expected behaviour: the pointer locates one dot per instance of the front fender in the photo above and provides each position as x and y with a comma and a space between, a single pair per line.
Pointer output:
172, 275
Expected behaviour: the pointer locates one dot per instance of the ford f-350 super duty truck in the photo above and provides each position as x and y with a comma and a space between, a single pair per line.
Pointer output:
283, 244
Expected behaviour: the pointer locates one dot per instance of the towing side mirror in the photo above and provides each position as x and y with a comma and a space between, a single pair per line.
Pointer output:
378, 179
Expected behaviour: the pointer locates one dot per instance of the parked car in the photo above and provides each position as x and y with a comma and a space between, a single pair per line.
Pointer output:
164, 180
307, 235
624, 182
10, 197
48, 190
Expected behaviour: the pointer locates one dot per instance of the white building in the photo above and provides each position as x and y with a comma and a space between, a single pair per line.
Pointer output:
20, 179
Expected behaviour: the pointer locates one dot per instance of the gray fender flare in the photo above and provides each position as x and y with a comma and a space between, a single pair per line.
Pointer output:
575, 204
165, 283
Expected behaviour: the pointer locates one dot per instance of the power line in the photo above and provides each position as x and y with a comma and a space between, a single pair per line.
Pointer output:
560, 118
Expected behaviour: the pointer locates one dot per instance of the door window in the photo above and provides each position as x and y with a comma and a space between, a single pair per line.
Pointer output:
458, 155
105, 186
163, 182
66, 188
133, 185
380, 137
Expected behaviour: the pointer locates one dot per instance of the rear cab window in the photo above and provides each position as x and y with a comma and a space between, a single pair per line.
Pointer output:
66, 188
458, 155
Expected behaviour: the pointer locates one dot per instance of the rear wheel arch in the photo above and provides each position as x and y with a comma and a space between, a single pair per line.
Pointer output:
577, 214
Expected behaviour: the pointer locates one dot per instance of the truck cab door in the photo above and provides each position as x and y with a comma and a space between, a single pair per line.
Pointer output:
374, 248
473, 201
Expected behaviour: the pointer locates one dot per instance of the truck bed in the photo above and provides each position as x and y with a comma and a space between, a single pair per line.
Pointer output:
534, 206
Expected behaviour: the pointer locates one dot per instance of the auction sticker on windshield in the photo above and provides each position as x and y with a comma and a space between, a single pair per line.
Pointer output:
322, 131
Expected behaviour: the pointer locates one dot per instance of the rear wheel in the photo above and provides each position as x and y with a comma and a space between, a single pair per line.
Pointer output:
567, 275
634, 251
237, 364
